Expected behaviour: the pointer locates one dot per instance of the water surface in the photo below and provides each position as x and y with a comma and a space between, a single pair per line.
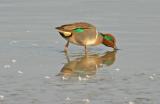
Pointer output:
34, 70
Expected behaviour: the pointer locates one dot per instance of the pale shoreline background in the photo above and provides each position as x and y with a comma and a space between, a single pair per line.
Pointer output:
30, 50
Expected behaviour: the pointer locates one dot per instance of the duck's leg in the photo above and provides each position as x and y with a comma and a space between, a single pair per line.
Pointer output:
85, 48
67, 57
66, 46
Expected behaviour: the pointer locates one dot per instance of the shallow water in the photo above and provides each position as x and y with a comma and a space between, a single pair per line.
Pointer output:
34, 70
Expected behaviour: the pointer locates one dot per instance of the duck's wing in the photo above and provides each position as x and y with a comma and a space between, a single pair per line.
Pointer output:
67, 29
73, 26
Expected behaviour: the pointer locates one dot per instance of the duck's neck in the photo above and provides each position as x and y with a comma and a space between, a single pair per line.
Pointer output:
99, 39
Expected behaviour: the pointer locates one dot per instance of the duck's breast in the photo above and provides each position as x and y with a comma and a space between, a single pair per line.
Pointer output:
88, 37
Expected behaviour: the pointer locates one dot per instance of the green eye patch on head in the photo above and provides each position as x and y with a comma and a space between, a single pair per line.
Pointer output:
108, 37
78, 30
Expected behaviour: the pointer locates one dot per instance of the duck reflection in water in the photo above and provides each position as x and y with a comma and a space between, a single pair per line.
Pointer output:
87, 65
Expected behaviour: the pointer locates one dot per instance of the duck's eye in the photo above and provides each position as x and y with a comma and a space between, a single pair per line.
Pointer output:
108, 38
78, 30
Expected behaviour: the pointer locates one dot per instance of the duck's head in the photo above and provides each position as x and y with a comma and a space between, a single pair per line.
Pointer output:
109, 40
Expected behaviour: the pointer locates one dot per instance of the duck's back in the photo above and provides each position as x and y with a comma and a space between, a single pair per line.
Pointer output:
81, 33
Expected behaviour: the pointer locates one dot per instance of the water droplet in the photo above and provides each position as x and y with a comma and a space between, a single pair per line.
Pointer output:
117, 69
13, 61
68, 98
86, 100
151, 77
47, 77
131, 102
1, 97
20, 72
7, 66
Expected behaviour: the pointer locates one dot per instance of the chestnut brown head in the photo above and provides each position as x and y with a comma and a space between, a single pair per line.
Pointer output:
109, 40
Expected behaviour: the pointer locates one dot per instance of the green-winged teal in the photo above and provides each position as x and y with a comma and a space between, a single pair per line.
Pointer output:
85, 34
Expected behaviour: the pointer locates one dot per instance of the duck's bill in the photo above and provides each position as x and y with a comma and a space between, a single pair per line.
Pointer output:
116, 49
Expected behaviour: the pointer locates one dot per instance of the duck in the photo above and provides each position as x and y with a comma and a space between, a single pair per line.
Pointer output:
85, 34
